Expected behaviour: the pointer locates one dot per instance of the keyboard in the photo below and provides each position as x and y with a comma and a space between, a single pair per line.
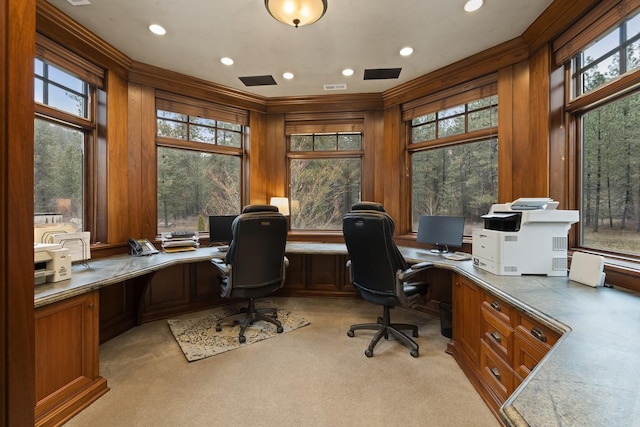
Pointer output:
457, 256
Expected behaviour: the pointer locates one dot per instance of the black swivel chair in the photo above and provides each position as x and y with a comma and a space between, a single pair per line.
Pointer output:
255, 264
379, 272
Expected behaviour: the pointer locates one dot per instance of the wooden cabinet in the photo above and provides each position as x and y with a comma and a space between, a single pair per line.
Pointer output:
466, 318
317, 275
495, 344
67, 359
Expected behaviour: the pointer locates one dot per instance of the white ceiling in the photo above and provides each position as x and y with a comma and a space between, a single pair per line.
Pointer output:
357, 34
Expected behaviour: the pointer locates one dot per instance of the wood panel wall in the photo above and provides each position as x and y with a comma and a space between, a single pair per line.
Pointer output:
17, 320
130, 130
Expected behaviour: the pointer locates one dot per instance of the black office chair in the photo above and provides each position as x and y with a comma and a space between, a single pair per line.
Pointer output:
379, 272
255, 264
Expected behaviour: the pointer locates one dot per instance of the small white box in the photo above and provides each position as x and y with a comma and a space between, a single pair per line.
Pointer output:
587, 269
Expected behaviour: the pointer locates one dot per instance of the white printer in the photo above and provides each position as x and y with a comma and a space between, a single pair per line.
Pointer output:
527, 236
52, 263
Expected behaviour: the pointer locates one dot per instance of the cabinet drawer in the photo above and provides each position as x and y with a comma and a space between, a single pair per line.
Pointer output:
499, 308
525, 355
496, 373
536, 333
497, 334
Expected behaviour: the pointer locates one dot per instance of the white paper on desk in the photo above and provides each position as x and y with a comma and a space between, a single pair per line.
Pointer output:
78, 244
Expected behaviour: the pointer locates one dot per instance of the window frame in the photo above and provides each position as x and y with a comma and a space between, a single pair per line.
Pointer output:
622, 269
456, 96
322, 124
94, 191
191, 107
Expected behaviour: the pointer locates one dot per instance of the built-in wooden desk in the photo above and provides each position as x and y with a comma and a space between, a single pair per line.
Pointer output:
589, 377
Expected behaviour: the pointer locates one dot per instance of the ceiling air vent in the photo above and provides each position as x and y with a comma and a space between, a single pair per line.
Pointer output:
258, 80
339, 86
382, 73
78, 2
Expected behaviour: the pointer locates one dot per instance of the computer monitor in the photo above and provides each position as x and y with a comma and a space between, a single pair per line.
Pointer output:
442, 231
220, 229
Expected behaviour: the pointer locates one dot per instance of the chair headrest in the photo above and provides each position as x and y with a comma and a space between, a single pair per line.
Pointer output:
367, 206
259, 208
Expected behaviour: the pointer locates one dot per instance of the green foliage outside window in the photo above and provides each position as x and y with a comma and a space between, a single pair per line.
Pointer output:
322, 189
58, 172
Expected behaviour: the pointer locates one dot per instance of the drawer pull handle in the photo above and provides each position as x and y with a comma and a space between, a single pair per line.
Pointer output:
538, 334
496, 306
496, 336
496, 373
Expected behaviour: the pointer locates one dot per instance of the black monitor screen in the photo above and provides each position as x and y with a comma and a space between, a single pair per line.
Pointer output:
220, 228
441, 231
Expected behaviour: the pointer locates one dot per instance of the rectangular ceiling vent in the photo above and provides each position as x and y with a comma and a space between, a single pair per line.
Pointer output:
382, 73
258, 80
338, 86
78, 2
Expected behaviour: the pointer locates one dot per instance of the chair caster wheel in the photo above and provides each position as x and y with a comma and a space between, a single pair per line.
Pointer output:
415, 334
279, 329
218, 328
242, 339
368, 352
350, 333
414, 352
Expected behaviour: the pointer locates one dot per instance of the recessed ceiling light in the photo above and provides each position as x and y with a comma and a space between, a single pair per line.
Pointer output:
347, 72
406, 51
157, 29
288, 75
473, 5
226, 61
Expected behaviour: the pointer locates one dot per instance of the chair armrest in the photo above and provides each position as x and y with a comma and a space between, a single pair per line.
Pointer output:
221, 266
414, 269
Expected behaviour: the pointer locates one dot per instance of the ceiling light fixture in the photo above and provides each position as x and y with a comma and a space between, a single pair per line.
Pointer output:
347, 72
473, 5
157, 29
287, 75
226, 60
296, 12
406, 51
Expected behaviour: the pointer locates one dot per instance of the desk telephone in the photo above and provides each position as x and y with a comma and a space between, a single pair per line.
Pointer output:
141, 247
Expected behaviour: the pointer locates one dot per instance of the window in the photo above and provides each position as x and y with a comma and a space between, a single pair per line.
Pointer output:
325, 172
607, 58
64, 134
199, 164
608, 156
454, 159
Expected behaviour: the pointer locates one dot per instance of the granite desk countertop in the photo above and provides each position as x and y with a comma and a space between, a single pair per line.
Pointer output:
591, 377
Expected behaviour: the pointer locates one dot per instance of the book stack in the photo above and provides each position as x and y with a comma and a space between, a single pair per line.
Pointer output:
180, 241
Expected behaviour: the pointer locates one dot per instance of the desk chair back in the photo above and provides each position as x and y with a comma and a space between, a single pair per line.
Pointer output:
257, 253
375, 259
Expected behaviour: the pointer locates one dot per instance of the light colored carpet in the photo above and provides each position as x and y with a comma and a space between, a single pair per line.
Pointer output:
315, 376
199, 339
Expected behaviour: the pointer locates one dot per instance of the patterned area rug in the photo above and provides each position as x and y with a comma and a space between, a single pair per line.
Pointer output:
198, 338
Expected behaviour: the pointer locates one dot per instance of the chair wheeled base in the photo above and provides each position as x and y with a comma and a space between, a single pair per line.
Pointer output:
384, 327
250, 315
